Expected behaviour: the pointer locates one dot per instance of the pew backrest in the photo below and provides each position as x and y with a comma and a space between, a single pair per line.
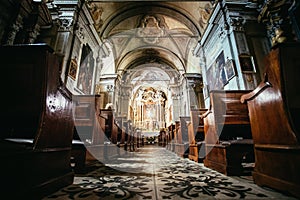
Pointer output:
37, 105
227, 118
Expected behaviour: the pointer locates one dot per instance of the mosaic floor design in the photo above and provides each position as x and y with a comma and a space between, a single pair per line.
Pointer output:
156, 173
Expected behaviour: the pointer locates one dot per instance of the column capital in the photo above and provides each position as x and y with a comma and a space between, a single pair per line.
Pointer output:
237, 23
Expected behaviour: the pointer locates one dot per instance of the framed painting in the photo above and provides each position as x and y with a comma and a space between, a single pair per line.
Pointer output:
247, 63
229, 69
216, 75
86, 71
73, 69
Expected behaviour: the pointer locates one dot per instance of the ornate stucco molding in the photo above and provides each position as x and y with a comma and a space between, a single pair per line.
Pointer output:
14, 29
275, 14
237, 23
151, 29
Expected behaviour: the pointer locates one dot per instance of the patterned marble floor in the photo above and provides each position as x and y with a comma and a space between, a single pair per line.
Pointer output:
156, 173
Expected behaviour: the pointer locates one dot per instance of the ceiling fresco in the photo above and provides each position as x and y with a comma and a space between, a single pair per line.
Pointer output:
113, 16
172, 28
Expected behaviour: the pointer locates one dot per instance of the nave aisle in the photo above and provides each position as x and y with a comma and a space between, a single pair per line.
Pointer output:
156, 173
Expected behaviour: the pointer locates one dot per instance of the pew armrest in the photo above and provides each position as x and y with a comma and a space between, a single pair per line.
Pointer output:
204, 115
13, 146
241, 141
20, 140
259, 89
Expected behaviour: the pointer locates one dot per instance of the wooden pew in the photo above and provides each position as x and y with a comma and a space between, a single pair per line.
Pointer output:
173, 133
126, 135
37, 124
182, 145
196, 135
171, 137
176, 136
100, 135
139, 138
133, 140
129, 136
274, 108
111, 133
162, 138
179, 149
88, 140
121, 133
228, 138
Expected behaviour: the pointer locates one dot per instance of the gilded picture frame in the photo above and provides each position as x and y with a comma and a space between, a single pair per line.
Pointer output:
73, 69
230, 70
247, 63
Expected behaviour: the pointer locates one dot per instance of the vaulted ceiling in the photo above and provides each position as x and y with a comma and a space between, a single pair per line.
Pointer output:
151, 41
167, 29
112, 17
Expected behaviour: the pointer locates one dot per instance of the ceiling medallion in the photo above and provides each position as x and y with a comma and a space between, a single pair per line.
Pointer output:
151, 29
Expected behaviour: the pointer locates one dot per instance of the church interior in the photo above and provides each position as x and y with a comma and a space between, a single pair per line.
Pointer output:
174, 99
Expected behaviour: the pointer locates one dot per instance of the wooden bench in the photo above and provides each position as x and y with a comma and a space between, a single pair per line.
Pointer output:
163, 138
171, 137
111, 131
126, 135
37, 124
176, 135
274, 108
121, 125
100, 135
228, 138
182, 140
88, 134
196, 135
